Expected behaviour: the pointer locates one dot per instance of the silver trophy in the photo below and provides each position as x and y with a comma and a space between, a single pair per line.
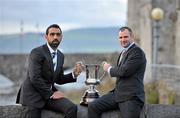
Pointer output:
93, 78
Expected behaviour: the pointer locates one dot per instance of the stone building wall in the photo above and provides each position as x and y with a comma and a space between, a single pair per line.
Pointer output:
139, 18
177, 39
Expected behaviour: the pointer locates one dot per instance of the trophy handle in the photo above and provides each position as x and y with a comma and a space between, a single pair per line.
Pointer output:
104, 73
101, 78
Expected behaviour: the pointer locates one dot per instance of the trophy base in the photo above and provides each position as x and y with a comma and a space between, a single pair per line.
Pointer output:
88, 97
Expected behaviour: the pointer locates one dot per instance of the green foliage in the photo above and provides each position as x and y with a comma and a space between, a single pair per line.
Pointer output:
151, 93
166, 91
158, 92
171, 96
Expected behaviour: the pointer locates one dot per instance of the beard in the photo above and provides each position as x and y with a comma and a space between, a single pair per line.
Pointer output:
54, 44
125, 44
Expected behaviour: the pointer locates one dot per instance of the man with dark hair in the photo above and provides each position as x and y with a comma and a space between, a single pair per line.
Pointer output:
44, 69
128, 94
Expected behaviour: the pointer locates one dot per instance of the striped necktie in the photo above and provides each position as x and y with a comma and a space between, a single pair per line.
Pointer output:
53, 54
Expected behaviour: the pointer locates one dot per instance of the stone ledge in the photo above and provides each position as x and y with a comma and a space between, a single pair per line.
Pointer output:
149, 111
162, 111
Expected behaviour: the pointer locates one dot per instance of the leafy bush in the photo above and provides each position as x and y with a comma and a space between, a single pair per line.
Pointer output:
151, 93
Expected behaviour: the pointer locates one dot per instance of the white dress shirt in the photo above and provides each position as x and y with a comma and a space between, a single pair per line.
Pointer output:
55, 57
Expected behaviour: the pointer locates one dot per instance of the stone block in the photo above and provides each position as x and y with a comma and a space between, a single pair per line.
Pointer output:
162, 111
149, 111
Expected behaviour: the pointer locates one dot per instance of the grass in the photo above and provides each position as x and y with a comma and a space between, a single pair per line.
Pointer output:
151, 91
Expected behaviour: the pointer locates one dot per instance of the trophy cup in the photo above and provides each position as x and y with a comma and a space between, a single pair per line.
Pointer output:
92, 79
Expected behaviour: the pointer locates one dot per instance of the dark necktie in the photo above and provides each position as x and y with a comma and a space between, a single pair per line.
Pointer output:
53, 54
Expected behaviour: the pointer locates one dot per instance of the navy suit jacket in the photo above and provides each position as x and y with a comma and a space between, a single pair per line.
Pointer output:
130, 74
39, 84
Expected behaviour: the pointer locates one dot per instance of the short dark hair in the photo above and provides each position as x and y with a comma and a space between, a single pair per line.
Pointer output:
125, 27
52, 26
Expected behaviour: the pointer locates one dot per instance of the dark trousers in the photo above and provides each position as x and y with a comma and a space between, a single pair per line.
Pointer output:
128, 109
63, 106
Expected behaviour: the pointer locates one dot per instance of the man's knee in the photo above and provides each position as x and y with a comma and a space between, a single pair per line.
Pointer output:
71, 112
93, 107
72, 109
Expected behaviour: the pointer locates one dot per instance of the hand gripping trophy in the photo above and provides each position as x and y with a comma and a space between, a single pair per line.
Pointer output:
93, 78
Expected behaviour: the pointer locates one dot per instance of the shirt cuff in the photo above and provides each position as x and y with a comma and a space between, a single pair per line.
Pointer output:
109, 69
73, 75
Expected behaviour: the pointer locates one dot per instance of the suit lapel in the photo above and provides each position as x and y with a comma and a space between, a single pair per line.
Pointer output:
125, 55
48, 56
118, 61
59, 62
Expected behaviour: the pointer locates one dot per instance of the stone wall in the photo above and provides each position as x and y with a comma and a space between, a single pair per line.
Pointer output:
149, 111
139, 19
15, 66
177, 41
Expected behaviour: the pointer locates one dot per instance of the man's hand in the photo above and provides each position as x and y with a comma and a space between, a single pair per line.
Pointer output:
106, 66
77, 69
57, 95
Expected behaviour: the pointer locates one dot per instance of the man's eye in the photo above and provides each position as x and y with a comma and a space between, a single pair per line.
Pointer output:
53, 34
123, 37
58, 34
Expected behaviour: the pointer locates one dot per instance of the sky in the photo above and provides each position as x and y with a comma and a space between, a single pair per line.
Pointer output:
36, 15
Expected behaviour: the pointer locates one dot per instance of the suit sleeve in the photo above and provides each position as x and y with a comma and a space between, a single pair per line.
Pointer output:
35, 73
132, 63
68, 78
64, 78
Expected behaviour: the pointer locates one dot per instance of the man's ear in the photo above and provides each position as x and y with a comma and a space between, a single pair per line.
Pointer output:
45, 36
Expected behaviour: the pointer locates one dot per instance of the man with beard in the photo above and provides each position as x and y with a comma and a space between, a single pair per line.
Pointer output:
44, 69
128, 94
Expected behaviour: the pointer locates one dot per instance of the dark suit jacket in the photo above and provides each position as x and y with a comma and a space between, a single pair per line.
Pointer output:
39, 84
130, 74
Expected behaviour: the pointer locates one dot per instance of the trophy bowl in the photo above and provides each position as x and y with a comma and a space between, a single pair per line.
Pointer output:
92, 79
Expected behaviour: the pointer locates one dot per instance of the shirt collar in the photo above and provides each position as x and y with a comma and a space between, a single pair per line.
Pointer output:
50, 49
125, 49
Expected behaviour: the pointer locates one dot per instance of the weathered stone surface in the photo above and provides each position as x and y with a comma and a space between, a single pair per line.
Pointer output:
12, 111
162, 111
149, 111
140, 20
